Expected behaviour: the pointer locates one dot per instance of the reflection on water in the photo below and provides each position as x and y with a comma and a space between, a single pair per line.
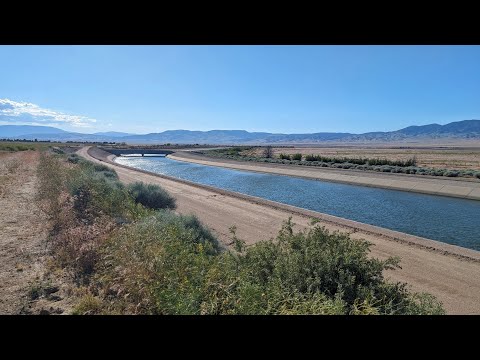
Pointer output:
450, 220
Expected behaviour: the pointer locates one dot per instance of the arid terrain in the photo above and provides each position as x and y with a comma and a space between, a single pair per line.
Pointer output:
453, 280
453, 156
31, 284
24, 269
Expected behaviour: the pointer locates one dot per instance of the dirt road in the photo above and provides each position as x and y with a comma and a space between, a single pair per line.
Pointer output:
454, 281
22, 229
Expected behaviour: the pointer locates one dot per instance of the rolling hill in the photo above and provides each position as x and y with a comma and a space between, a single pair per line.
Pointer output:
466, 129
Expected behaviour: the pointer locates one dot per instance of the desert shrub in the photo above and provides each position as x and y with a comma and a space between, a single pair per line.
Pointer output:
101, 167
73, 158
284, 156
51, 177
151, 196
319, 262
167, 266
438, 172
451, 173
109, 174
76, 244
22, 148
374, 164
94, 194
361, 161
161, 262
16, 147
88, 305
57, 150
467, 173
97, 204
91, 167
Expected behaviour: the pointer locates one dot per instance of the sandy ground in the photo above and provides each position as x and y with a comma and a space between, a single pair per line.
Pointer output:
453, 280
24, 255
22, 230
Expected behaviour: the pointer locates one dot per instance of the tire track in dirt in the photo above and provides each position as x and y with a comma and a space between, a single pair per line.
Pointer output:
23, 230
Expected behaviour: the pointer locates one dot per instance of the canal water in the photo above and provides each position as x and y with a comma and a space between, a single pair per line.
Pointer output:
451, 220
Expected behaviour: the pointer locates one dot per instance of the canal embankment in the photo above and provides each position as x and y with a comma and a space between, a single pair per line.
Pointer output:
453, 187
449, 272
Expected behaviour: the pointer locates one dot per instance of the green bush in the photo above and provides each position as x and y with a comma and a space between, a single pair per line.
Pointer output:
51, 177
73, 158
94, 194
22, 148
101, 167
451, 173
92, 167
297, 156
284, 156
167, 265
57, 150
151, 196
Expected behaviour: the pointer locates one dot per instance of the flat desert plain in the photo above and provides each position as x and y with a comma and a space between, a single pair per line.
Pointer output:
452, 155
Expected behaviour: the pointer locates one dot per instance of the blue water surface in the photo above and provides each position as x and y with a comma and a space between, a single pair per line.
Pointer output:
451, 220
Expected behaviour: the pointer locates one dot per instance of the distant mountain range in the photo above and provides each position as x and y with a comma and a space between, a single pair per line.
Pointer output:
112, 134
466, 129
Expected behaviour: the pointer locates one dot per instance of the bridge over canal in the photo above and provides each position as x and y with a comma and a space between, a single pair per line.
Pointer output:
120, 152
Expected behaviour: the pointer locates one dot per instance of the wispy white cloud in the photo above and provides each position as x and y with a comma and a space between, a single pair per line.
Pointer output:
24, 112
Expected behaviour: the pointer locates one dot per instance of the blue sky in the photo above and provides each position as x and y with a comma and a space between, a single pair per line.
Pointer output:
289, 89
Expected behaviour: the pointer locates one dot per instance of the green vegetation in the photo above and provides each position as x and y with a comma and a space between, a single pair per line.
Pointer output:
297, 156
151, 196
41, 289
15, 147
132, 259
361, 161
74, 158
229, 152
84, 202
177, 269
11, 145
364, 164
51, 177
